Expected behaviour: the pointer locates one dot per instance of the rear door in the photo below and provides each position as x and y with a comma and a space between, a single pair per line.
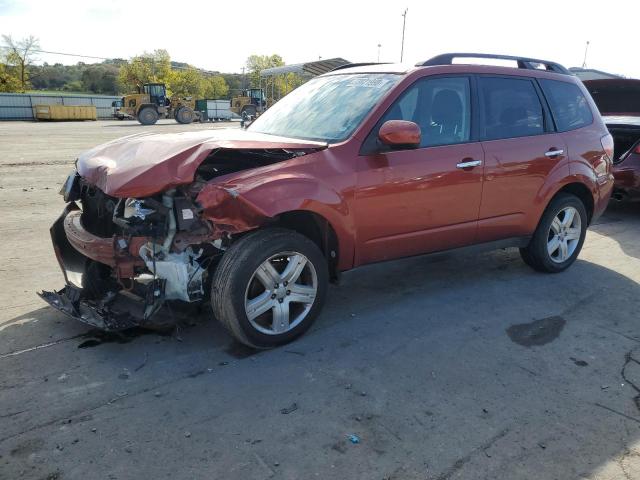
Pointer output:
521, 151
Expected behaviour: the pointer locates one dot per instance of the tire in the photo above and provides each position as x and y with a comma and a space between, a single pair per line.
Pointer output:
148, 116
248, 110
556, 245
184, 115
240, 279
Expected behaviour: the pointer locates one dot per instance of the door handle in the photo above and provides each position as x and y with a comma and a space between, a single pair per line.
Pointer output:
554, 153
469, 164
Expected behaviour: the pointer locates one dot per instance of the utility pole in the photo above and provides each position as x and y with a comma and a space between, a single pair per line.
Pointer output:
586, 49
379, 45
404, 23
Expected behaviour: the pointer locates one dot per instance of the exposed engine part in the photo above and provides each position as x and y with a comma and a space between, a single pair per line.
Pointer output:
141, 217
224, 161
167, 201
186, 214
136, 208
182, 273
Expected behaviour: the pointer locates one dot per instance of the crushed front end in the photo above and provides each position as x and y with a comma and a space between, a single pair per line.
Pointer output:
123, 258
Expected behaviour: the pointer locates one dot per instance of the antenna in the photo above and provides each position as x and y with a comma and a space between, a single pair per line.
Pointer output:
404, 23
586, 49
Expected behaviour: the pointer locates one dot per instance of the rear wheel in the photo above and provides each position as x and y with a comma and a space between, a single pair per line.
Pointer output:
148, 116
557, 241
184, 115
269, 287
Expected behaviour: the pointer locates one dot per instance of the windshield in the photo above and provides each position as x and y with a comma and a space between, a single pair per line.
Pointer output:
326, 108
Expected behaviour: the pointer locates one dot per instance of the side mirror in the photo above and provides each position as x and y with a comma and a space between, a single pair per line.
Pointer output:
400, 134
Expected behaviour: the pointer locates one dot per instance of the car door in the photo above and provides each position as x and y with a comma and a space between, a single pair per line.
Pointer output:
521, 152
424, 199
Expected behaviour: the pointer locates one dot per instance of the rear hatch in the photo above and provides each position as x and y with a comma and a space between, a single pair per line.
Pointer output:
619, 103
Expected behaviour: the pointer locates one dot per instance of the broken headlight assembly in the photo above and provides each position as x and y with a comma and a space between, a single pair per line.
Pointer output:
141, 217
136, 208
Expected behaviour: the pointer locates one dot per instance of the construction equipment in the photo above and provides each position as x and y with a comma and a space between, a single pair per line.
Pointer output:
250, 103
151, 103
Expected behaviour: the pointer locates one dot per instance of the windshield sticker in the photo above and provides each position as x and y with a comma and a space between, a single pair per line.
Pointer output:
368, 82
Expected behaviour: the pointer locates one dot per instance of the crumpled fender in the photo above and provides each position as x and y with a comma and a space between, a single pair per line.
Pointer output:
253, 202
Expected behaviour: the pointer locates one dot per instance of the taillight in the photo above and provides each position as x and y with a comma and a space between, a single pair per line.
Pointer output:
637, 149
607, 145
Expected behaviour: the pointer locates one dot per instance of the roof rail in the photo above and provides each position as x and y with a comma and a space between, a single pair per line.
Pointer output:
361, 64
523, 62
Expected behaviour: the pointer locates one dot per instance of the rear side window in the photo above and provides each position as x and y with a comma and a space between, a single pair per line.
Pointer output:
511, 108
569, 107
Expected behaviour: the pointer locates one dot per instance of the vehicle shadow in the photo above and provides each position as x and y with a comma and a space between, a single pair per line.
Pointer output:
420, 357
621, 222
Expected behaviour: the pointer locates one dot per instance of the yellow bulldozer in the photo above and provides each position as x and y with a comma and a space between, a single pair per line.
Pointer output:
151, 103
249, 103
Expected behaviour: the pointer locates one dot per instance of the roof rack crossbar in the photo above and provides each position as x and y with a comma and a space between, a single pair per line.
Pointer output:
523, 62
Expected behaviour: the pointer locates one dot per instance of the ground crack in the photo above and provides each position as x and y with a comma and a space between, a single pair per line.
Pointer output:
629, 359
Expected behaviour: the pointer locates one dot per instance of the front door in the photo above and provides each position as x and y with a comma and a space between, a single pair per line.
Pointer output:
421, 200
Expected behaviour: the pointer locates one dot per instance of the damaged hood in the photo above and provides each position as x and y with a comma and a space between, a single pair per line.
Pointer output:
148, 163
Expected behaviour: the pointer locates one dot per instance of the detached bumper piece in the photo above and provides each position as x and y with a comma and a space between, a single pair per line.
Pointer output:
115, 312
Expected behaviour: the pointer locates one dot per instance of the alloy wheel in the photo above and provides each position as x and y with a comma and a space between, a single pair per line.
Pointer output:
564, 234
281, 293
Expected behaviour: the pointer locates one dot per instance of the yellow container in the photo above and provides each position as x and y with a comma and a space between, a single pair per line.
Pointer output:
65, 112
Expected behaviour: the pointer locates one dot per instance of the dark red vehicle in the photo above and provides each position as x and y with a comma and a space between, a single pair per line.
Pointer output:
619, 103
360, 165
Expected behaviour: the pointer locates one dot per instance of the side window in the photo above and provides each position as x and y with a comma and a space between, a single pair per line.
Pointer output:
569, 106
511, 108
440, 106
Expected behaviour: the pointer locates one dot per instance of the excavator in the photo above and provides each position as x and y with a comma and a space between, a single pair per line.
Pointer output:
151, 103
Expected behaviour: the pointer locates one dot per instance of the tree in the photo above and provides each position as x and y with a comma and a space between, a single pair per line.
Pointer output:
101, 78
9, 82
145, 68
21, 55
188, 82
216, 87
257, 63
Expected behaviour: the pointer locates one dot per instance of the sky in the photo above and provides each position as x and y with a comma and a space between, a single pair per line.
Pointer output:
219, 35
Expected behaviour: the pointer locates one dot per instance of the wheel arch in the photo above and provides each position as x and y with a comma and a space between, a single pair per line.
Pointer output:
317, 229
581, 191
147, 105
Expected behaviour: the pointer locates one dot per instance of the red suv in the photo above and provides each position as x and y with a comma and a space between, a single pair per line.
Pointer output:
360, 165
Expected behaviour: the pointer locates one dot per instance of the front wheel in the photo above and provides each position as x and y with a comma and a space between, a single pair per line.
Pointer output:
148, 116
269, 287
557, 241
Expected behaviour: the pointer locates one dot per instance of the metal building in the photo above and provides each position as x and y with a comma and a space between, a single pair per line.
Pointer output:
305, 70
20, 106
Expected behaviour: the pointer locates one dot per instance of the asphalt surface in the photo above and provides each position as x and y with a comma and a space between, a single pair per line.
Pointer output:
442, 367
